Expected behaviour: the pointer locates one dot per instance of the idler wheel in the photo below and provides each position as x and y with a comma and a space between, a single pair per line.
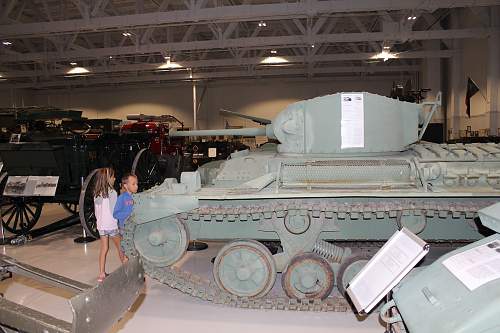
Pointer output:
348, 270
307, 276
245, 268
162, 242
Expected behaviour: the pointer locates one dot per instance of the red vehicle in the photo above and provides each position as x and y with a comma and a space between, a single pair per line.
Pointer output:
168, 151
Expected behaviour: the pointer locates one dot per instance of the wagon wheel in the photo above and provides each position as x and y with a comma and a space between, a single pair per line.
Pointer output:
147, 169
18, 214
71, 207
86, 205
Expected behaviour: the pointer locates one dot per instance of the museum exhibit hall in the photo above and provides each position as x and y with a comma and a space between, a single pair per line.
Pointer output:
250, 166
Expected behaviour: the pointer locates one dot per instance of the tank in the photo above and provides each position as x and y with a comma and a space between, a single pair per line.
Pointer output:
348, 171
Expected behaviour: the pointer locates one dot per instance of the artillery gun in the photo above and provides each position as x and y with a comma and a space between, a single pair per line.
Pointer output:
348, 172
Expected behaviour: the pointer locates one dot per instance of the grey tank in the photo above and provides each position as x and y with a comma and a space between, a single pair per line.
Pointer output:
349, 170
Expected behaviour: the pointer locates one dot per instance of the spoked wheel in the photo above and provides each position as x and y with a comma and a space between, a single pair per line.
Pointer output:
307, 276
245, 268
348, 270
71, 207
18, 214
162, 242
147, 169
86, 205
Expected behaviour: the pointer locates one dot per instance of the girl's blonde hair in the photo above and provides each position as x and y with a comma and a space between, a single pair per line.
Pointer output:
103, 182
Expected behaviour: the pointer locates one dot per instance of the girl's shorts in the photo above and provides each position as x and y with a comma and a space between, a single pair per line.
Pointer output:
110, 233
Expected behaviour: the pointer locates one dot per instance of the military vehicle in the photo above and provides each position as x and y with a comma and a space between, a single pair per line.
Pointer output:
455, 293
349, 170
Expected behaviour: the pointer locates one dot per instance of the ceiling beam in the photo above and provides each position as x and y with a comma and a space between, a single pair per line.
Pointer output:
273, 11
185, 75
232, 62
253, 42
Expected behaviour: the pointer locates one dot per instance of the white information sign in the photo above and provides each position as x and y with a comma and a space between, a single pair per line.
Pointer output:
391, 263
476, 266
31, 186
352, 123
212, 152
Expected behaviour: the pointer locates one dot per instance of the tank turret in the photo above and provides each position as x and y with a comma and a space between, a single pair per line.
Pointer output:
342, 123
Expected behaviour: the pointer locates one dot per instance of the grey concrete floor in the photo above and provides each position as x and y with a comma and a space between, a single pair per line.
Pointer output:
159, 308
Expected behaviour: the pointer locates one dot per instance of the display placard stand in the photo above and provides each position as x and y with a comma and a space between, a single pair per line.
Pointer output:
84, 238
386, 269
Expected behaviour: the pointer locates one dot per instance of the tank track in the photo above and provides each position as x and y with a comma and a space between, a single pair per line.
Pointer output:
204, 289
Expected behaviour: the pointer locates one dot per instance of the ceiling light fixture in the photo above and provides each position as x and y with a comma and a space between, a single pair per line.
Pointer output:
312, 45
274, 52
274, 60
77, 71
73, 63
169, 64
7, 43
410, 18
126, 34
110, 57
262, 24
385, 54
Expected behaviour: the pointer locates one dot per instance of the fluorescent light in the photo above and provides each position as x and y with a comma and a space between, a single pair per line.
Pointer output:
312, 45
274, 52
262, 24
110, 57
414, 17
126, 34
6, 43
274, 60
77, 70
73, 63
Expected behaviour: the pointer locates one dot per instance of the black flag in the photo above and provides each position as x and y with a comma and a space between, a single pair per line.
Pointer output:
472, 89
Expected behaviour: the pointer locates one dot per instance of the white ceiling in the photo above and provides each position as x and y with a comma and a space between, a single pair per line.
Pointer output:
123, 41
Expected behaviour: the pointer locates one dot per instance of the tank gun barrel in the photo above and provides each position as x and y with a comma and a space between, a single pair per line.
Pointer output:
249, 131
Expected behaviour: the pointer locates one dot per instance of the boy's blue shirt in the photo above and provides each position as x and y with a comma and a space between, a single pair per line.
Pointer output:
123, 208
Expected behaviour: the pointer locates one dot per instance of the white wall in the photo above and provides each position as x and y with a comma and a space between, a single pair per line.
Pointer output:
258, 97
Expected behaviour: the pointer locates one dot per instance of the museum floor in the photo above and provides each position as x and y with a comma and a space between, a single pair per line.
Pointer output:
159, 308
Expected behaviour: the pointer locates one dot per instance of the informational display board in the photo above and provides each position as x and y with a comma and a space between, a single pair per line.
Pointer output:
212, 152
476, 266
15, 138
352, 123
24, 186
386, 269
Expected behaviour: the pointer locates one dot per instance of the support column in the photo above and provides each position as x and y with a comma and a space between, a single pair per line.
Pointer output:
195, 103
431, 77
493, 79
458, 83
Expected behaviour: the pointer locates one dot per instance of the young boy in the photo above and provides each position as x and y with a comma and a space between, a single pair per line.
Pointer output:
125, 202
